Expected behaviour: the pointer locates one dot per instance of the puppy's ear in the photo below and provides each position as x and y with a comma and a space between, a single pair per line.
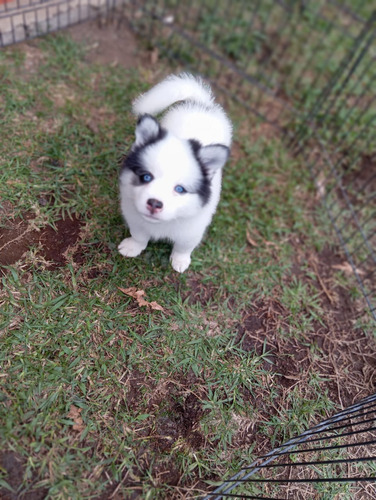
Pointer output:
147, 130
213, 157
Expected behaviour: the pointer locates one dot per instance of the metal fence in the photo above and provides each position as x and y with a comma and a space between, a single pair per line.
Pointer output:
340, 449
24, 19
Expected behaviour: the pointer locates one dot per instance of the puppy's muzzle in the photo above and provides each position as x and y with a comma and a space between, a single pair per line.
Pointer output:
154, 206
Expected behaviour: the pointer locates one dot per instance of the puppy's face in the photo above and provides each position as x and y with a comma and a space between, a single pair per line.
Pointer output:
166, 177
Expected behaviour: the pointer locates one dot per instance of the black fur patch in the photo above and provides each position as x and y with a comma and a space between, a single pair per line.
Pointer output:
204, 187
161, 131
133, 161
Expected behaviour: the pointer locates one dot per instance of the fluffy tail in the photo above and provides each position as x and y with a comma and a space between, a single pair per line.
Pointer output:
173, 89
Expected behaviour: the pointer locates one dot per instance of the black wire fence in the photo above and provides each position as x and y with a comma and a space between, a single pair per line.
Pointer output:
341, 449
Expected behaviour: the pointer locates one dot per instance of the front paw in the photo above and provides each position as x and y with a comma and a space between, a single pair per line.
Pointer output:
180, 262
130, 247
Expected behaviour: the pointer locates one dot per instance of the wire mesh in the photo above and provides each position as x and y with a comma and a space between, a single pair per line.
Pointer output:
341, 449
24, 19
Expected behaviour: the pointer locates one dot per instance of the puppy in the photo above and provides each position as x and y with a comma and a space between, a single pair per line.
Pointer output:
170, 182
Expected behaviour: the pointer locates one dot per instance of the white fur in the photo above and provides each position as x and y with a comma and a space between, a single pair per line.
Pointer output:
183, 218
173, 89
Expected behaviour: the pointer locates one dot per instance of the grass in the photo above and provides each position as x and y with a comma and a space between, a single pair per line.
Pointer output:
98, 395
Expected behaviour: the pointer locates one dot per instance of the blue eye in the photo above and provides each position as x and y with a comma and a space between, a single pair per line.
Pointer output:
146, 178
180, 189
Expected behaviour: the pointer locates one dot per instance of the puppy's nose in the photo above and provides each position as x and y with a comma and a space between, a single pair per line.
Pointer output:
154, 205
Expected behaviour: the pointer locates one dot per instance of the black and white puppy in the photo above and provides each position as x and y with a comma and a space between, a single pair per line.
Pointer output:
170, 182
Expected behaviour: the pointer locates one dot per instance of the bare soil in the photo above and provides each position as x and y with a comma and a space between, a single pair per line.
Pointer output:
110, 41
362, 179
14, 466
20, 235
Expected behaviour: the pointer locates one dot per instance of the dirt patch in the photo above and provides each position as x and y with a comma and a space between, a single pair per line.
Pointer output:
18, 236
333, 348
109, 41
357, 186
176, 411
362, 179
56, 243
259, 333
34, 58
14, 467
199, 293
135, 382
318, 270
350, 353
179, 420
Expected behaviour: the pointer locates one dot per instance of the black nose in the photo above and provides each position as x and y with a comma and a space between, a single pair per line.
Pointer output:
154, 205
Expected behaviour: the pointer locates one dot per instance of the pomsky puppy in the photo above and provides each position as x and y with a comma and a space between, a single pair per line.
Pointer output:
170, 182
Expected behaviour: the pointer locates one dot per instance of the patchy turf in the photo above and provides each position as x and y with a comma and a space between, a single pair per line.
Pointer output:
102, 397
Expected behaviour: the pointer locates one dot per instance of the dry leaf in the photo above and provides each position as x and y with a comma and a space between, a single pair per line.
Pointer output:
75, 414
93, 126
321, 186
346, 268
42, 160
270, 244
250, 240
139, 296
154, 56
253, 243
214, 328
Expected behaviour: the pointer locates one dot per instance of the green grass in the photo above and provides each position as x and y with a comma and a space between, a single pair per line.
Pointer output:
71, 338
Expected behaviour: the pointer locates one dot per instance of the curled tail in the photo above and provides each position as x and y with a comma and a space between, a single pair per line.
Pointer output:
173, 89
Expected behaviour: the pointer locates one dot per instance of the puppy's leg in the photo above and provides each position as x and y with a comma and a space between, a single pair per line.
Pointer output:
131, 247
180, 261
181, 256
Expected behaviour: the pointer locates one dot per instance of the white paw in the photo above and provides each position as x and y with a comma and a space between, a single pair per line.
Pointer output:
180, 262
130, 247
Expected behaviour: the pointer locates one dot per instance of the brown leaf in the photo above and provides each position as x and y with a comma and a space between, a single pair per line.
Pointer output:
75, 414
139, 296
154, 305
250, 240
154, 56
321, 186
42, 160
347, 268
253, 243
93, 126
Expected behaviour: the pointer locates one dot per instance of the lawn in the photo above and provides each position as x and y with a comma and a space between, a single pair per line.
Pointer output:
103, 397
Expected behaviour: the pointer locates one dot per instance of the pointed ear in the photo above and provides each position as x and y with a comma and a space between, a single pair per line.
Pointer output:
147, 130
213, 157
